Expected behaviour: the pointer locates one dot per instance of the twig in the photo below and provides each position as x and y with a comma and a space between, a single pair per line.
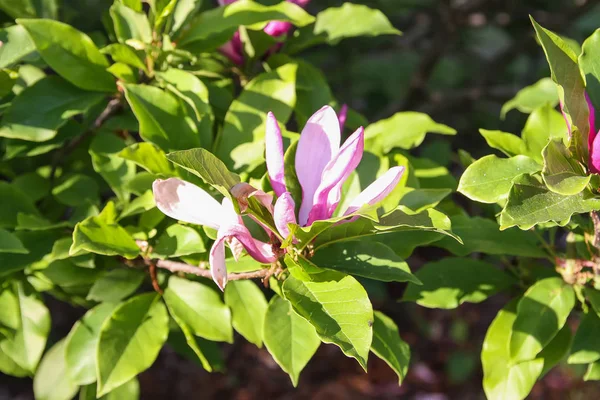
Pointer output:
111, 108
175, 266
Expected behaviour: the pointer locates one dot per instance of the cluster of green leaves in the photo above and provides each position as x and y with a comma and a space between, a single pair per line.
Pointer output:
542, 183
89, 121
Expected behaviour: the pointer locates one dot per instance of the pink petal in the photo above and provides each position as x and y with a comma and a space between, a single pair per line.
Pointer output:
274, 155
216, 259
593, 140
319, 142
233, 49
277, 28
335, 173
186, 202
226, 2
378, 190
301, 3
342, 116
284, 213
260, 251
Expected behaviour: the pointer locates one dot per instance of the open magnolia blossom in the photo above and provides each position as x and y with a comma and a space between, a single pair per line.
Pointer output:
234, 48
322, 167
187, 202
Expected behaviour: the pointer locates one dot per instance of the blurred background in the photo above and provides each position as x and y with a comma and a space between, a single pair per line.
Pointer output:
459, 61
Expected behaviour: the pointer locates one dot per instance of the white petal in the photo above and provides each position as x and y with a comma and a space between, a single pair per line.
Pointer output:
186, 202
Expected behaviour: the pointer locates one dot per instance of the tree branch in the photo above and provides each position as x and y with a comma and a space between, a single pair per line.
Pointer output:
175, 266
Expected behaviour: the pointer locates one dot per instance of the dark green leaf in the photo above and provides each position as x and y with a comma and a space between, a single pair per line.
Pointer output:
115, 285
530, 203
369, 260
586, 348
76, 190
178, 240
544, 124
452, 281
19, 122
9, 243
16, 45
590, 66
130, 24
97, 236
116, 171
13, 202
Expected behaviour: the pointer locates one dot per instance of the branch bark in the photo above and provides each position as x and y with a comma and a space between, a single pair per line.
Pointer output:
175, 266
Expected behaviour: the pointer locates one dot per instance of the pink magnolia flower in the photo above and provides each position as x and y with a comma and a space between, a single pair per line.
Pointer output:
322, 167
186, 202
234, 49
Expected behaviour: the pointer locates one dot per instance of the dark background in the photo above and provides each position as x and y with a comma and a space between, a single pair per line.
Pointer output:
458, 61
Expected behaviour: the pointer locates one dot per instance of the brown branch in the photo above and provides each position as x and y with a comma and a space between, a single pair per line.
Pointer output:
112, 108
175, 266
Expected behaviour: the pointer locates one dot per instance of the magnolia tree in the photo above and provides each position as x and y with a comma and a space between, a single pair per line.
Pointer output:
185, 175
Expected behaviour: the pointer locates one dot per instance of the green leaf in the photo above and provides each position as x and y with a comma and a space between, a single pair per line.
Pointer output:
202, 351
337, 23
150, 157
81, 344
489, 179
97, 236
115, 285
241, 142
419, 200
200, 308
586, 349
589, 65
195, 94
530, 203
51, 381
481, 235
508, 143
290, 339
557, 349
531, 97
130, 24
76, 190
339, 310
248, 308
18, 9
389, 346
9, 367
130, 340
71, 53
541, 313
593, 372
178, 240
19, 122
183, 12
397, 220
34, 185
39, 245
593, 297
312, 91
405, 130
162, 117
116, 171
13, 202
125, 54
222, 22
369, 260
139, 205
26, 346
16, 45
9, 243
452, 281
544, 124
562, 173
503, 379
204, 164
566, 74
